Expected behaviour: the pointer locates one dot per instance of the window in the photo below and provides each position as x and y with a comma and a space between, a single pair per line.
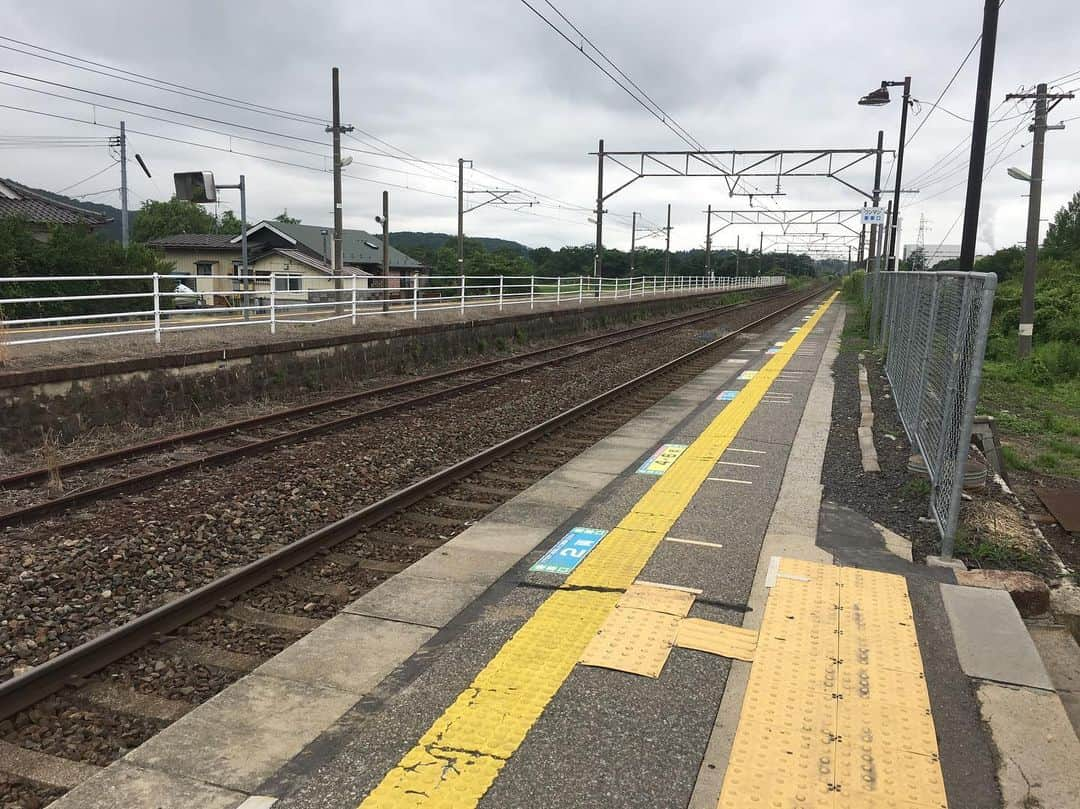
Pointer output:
288, 283
204, 267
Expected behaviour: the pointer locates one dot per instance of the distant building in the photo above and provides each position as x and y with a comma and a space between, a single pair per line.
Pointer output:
296, 255
934, 252
41, 213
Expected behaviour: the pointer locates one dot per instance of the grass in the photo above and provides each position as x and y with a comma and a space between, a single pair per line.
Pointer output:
992, 551
1039, 424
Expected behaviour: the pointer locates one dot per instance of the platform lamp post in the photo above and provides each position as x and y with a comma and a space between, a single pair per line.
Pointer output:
199, 186
878, 98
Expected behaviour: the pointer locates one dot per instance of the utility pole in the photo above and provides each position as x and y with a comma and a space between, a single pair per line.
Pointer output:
899, 169
461, 215
849, 260
123, 187
386, 251
978, 134
738, 250
874, 252
708, 239
761, 254
633, 240
337, 129
598, 258
667, 244
862, 238
1031, 255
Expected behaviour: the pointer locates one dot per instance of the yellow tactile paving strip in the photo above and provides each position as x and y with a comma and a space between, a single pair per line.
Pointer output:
836, 712
460, 756
716, 638
633, 640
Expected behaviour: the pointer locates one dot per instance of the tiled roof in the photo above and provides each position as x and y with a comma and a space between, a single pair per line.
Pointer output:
19, 202
195, 241
358, 246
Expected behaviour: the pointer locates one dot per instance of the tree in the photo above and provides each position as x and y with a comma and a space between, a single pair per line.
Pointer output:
156, 219
285, 219
229, 224
1063, 236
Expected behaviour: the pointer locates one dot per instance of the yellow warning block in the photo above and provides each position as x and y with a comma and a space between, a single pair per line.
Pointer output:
836, 711
716, 638
634, 641
450, 778
657, 599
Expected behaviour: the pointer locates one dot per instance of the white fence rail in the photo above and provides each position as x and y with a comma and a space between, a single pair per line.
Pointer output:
219, 301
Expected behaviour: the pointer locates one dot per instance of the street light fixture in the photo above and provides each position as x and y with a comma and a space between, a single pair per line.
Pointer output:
1019, 174
877, 98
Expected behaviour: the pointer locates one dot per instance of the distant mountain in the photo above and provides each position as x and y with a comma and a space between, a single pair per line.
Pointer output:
109, 231
404, 239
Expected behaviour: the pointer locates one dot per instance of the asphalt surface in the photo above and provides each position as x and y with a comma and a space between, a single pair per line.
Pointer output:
608, 739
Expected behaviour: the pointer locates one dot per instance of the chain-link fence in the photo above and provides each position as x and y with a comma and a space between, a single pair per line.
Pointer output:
933, 326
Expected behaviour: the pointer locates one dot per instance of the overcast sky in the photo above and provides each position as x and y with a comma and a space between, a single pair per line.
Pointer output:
489, 81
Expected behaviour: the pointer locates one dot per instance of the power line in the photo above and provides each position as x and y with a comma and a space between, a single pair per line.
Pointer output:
92, 176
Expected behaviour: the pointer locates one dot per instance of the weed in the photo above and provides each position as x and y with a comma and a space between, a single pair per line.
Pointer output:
50, 457
519, 336
992, 551
916, 488
1013, 458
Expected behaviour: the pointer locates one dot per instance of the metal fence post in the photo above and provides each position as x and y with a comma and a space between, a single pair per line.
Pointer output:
354, 299
500, 293
532, 291
415, 294
558, 290
971, 401
463, 295
273, 303
580, 288
157, 308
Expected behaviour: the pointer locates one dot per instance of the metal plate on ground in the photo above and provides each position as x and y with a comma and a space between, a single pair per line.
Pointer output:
727, 395
659, 461
657, 599
634, 641
1064, 505
716, 638
565, 555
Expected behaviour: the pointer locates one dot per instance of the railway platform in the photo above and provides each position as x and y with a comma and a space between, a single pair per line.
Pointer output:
672, 619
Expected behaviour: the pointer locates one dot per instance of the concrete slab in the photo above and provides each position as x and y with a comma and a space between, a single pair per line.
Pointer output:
126, 785
992, 642
456, 563
243, 735
611, 454
1038, 751
42, 767
417, 600
503, 536
1061, 656
533, 515
349, 652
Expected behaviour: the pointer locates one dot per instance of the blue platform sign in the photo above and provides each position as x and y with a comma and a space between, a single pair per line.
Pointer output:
569, 551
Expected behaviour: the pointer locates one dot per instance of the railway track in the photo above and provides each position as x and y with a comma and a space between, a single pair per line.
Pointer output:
94, 702
151, 462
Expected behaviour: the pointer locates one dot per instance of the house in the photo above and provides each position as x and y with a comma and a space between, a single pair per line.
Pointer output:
43, 213
296, 256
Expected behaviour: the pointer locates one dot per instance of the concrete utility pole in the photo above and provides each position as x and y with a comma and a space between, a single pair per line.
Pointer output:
633, 239
874, 251
461, 215
123, 187
761, 253
708, 239
1031, 255
337, 129
598, 258
978, 134
738, 249
667, 244
386, 251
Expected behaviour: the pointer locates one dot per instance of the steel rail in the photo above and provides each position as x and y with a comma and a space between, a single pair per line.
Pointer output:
68, 668
143, 479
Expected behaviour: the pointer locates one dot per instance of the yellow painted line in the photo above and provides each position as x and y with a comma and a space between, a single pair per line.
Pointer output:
836, 712
460, 756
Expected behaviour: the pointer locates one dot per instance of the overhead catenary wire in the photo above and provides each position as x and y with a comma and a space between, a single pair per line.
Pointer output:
91, 177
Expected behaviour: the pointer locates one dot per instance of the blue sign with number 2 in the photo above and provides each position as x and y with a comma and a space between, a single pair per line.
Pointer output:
569, 551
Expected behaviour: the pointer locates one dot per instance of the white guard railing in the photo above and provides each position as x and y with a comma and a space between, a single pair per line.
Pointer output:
267, 300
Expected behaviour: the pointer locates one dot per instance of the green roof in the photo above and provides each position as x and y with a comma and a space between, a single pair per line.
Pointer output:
358, 247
